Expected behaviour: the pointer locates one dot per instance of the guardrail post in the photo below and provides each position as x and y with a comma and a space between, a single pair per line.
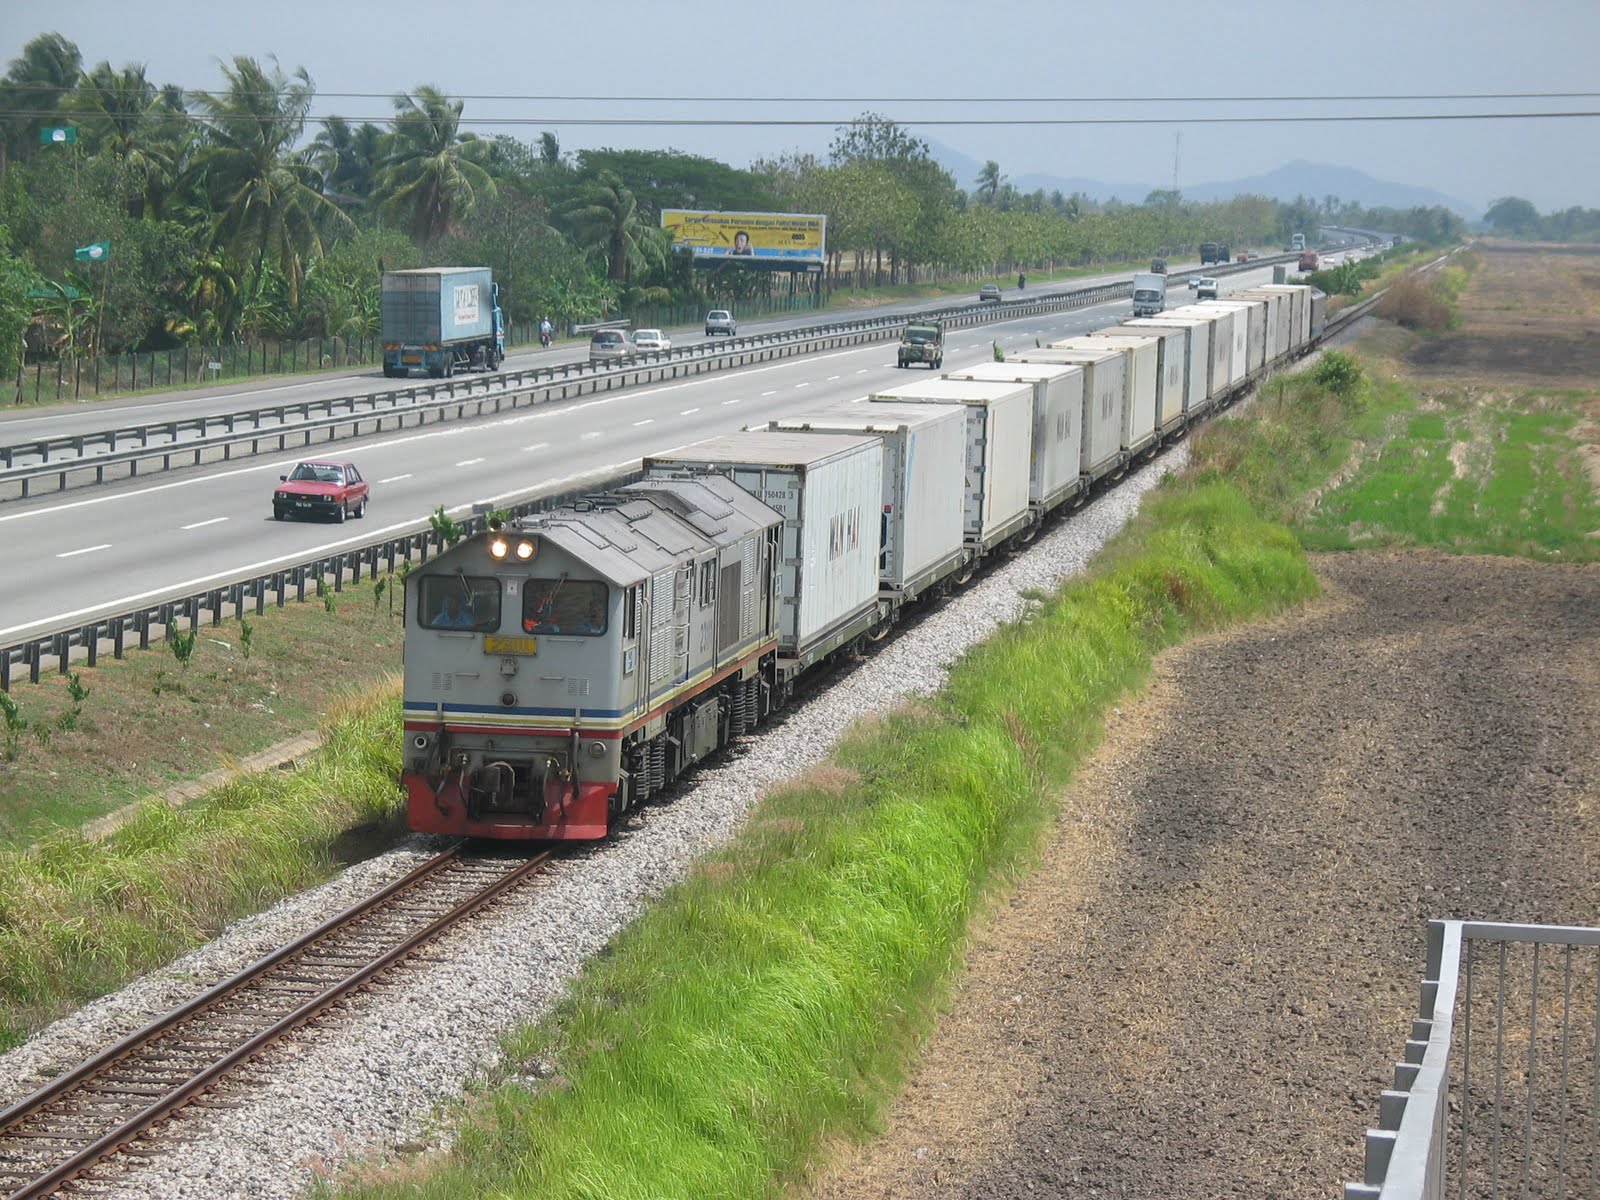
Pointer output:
214, 602
300, 584
142, 622
61, 647
32, 656
118, 624
90, 636
5, 669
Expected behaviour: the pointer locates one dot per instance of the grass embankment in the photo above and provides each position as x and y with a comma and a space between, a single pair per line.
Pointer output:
82, 918
152, 719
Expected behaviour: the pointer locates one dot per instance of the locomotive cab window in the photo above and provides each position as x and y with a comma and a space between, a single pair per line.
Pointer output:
576, 606
460, 602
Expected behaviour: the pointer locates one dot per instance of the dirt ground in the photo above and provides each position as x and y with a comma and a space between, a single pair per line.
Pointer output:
1531, 318
1201, 991
1203, 988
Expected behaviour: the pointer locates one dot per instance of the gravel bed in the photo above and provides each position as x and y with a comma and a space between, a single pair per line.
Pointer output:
371, 1079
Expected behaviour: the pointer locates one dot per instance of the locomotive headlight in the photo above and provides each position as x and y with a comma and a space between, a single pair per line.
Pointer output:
524, 549
498, 547
597, 749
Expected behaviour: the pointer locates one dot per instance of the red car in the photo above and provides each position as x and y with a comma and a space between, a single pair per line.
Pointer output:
321, 489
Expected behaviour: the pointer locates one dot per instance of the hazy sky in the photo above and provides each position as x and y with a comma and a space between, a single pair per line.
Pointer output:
845, 51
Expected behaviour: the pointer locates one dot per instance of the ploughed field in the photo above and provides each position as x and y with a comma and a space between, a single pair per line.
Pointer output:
1203, 989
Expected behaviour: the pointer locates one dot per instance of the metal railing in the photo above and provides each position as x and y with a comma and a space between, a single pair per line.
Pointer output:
1499, 1090
75, 459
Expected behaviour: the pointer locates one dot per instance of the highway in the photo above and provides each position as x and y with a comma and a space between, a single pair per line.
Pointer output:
112, 548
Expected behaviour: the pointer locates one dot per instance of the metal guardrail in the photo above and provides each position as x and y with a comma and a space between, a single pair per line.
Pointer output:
271, 425
84, 641
1512, 1105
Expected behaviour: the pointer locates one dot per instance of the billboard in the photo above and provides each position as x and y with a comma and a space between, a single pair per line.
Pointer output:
791, 241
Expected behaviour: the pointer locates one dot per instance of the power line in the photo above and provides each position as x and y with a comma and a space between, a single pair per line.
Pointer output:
834, 122
552, 98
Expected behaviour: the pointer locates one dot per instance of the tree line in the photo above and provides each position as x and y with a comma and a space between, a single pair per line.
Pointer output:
1512, 216
137, 215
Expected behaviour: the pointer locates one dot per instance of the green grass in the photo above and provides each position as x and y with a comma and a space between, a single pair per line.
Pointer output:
776, 999
147, 722
82, 918
1516, 487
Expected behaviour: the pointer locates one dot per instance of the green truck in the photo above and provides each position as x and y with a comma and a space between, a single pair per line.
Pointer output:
922, 342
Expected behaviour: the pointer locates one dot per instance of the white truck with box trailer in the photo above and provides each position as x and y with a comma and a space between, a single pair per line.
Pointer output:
1149, 293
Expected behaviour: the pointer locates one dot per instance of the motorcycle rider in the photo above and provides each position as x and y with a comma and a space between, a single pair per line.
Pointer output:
545, 332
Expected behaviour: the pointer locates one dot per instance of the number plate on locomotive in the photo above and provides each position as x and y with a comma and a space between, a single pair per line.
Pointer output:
510, 645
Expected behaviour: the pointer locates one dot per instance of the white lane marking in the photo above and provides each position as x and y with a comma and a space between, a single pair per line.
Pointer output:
735, 400
862, 371
257, 568
646, 421
85, 550
592, 434
396, 478
454, 430
858, 400
772, 393
831, 378
803, 383
535, 446
688, 412
203, 524
469, 462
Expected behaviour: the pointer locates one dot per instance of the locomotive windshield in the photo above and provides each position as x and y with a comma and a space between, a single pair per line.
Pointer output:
564, 606
460, 602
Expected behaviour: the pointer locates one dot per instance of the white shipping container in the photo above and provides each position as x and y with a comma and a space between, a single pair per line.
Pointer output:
1105, 396
923, 517
1297, 306
1053, 474
1139, 416
999, 441
1278, 319
1172, 369
828, 490
1197, 354
1251, 325
1225, 373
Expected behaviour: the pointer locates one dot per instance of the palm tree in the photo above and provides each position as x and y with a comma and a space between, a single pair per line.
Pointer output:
432, 173
33, 88
606, 213
267, 199
121, 112
989, 180
549, 149
348, 156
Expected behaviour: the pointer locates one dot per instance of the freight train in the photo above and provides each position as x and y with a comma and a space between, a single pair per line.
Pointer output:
565, 667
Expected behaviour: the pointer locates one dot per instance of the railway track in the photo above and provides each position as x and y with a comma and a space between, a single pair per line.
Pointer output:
110, 1103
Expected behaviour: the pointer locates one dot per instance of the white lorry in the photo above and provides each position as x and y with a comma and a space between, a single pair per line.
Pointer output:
1149, 294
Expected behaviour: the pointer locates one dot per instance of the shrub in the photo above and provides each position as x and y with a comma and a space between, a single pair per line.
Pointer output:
1417, 304
1339, 373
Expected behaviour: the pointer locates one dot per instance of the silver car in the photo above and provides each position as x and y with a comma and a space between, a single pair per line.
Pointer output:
720, 320
651, 339
609, 345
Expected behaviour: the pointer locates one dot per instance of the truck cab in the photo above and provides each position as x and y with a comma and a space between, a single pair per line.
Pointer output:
1149, 294
921, 342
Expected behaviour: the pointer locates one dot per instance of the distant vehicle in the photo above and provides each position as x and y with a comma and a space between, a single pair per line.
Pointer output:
1194, 282
922, 342
989, 291
1224, 255
321, 489
1208, 253
440, 320
1297, 242
1241, 258
720, 320
1308, 260
1158, 266
609, 345
651, 339
1206, 289
1149, 294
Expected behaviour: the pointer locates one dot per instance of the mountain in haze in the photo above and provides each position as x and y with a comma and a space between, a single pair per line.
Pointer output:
1298, 178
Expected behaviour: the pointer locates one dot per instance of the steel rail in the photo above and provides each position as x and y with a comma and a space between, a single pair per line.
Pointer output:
14, 1119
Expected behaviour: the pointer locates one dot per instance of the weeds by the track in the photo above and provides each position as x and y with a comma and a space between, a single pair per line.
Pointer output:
82, 918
